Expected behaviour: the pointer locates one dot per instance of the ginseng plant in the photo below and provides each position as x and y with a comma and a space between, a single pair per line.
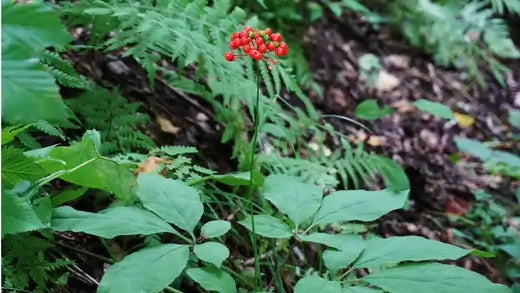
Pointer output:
261, 46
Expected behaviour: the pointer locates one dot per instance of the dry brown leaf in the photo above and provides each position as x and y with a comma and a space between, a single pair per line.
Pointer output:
456, 205
398, 61
386, 81
150, 164
375, 141
166, 125
403, 106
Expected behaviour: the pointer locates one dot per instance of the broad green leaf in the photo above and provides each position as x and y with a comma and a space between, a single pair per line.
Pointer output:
214, 229
33, 25
213, 279
434, 108
339, 241
473, 147
369, 110
393, 250
110, 222
292, 197
314, 284
10, 132
18, 214
148, 270
512, 249
358, 205
43, 208
68, 194
173, 200
239, 179
336, 260
514, 118
356, 289
212, 252
267, 226
433, 278
393, 174
95, 171
17, 167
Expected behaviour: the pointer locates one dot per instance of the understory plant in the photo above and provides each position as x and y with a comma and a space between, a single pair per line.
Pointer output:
112, 183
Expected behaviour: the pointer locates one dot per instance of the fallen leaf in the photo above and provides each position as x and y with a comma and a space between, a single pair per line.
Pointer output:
464, 120
166, 125
456, 205
375, 141
150, 165
403, 106
398, 61
386, 81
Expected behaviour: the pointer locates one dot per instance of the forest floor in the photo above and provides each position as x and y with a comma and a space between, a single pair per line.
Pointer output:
420, 142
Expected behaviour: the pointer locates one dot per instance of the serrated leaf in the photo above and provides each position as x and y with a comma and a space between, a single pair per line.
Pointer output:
393, 250
18, 214
292, 197
369, 110
434, 108
16, 167
173, 200
358, 205
267, 226
212, 252
213, 279
148, 270
110, 222
433, 278
214, 229
313, 284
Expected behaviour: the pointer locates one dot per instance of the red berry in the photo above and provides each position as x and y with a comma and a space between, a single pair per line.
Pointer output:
236, 43
262, 48
285, 50
256, 34
268, 31
276, 37
270, 46
279, 51
229, 56
232, 46
283, 45
246, 48
248, 29
243, 34
244, 41
235, 35
269, 67
267, 59
259, 41
257, 55
252, 53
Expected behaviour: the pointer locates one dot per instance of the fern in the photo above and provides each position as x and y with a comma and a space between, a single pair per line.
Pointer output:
500, 6
26, 266
115, 118
63, 71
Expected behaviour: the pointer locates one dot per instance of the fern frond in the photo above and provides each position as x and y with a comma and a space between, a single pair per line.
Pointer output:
174, 150
63, 71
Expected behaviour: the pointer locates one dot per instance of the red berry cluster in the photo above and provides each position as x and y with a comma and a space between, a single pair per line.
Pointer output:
256, 43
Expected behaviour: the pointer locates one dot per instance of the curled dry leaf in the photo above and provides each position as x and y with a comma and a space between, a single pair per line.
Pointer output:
166, 125
150, 164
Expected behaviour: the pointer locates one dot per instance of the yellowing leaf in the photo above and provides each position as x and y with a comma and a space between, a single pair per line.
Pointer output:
464, 120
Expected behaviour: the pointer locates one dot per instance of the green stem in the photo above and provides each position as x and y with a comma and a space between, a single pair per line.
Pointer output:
171, 289
251, 185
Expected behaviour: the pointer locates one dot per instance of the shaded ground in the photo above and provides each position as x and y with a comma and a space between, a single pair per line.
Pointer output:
417, 140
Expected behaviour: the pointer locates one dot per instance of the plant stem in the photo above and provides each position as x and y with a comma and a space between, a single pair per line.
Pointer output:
251, 185
85, 252
171, 289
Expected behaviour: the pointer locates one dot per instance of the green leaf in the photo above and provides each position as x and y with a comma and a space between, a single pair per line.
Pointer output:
512, 249
433, 278
148, 270
336, 260
514, 118
369, 110
16, 167
10, 132
214, 229
213, 279
43, 208
212, 252
473, 147
98, 11
99, 172
358, 205
18, 214
267, 226
292, 197
393, 250
356, 289
393, 174
33, 25
68, 195
239, 179
314, 284
173, 200
110, 222
434, 108
338, 241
